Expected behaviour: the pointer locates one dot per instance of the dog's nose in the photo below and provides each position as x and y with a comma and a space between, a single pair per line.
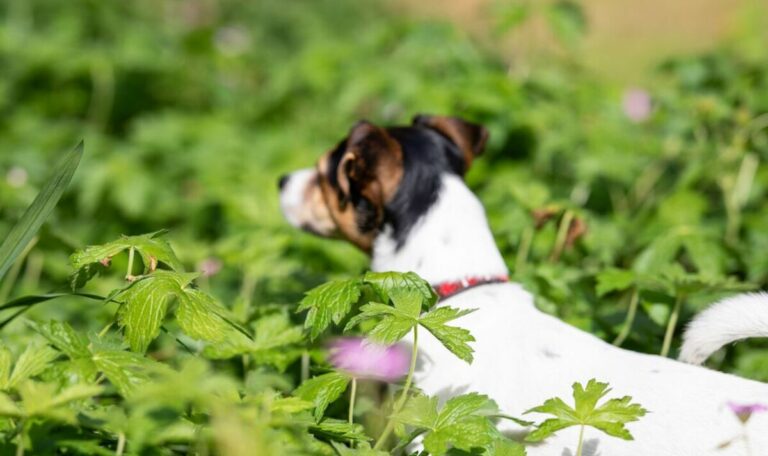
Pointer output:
282, 181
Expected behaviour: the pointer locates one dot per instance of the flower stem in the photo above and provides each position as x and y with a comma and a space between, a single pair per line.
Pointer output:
20, 443
671, 324
625, 330
403, 395
581, 441
350, 416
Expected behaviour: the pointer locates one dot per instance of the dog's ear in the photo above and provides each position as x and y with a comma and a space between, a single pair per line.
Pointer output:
372, 165
469, 137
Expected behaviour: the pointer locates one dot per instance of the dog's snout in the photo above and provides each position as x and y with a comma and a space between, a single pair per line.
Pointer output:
282, 181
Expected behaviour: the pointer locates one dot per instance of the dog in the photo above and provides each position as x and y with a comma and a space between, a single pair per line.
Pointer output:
398, 194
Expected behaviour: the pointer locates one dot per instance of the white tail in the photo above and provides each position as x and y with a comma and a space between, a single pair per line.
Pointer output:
732, 319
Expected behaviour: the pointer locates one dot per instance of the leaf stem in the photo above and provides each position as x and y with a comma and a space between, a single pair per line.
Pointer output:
20, 443
562, 236
129, 271
526, 240
304, 365
627, 327
403, 395
671, 324
120, 444
581, 441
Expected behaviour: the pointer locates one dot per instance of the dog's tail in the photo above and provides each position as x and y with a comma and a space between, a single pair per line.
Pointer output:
732, 319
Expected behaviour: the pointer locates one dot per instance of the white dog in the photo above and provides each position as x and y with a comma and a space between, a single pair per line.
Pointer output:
398, 194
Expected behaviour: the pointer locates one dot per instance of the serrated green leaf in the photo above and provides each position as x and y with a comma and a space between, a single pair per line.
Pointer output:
340, 430
506, 447
462, 423
330, 302
614, 280
199, 316
125, 370
609, 417
384, 283
453, 338
420, 411
32, 361
62, 336
343, 450
8, 407
290, 405
26, 228
43, 400
322, 390
145, 304
152, 248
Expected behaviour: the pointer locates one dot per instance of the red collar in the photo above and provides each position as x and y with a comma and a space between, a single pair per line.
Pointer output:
447, 289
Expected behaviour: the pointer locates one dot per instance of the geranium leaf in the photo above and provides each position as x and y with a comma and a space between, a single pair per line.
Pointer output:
322, 390
330, 302
453, 338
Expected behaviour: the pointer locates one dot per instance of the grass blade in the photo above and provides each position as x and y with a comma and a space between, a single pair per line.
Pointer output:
41, 208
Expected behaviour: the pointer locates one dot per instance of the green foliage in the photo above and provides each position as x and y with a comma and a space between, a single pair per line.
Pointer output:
192, 109
462, 423
322, 390
610, 417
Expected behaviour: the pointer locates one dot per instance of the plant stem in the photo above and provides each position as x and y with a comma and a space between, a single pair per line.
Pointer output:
104, 331
625, 330
671, 324
581, 441
20, 443
562, 236
120, 444
403, 395
351, 414
304, 366
352, 395
526, 240
129, 271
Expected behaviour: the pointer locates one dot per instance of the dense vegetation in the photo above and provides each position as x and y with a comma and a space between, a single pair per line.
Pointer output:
624, 211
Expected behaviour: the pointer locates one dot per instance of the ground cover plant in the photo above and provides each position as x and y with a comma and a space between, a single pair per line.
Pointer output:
625, 210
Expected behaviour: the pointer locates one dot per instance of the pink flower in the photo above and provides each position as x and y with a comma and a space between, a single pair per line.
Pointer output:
745, 411
637, 105
209, 267
363, 359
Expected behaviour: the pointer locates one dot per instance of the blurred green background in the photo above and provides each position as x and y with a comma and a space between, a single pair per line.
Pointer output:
639, 128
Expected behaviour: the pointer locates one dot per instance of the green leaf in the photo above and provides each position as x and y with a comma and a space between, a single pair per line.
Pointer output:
453, 338
145, 304
42, 400
327, 303
609, 417
393, 325
199, 316
322, 390
125, 370
614, 280
384, 283
26, 228
152, 248
343, 450
462, 423
340, 430
506, 447
32, 361
62, 336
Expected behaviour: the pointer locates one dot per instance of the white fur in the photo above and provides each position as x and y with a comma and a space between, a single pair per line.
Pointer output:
523, 356
452, 239
730, 320
292, 196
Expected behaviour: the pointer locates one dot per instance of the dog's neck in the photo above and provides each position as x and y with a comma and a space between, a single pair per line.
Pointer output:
452, 241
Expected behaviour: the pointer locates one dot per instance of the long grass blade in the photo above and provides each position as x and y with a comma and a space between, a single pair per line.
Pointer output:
41, 208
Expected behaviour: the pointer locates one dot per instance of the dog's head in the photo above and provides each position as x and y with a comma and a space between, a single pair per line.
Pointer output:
378, 177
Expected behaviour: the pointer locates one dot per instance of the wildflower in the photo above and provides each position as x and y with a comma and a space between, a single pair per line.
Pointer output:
209, 267
745, 411
637, 105
363, 359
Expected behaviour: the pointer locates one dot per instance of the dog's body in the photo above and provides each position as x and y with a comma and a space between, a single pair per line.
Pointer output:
433, 225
